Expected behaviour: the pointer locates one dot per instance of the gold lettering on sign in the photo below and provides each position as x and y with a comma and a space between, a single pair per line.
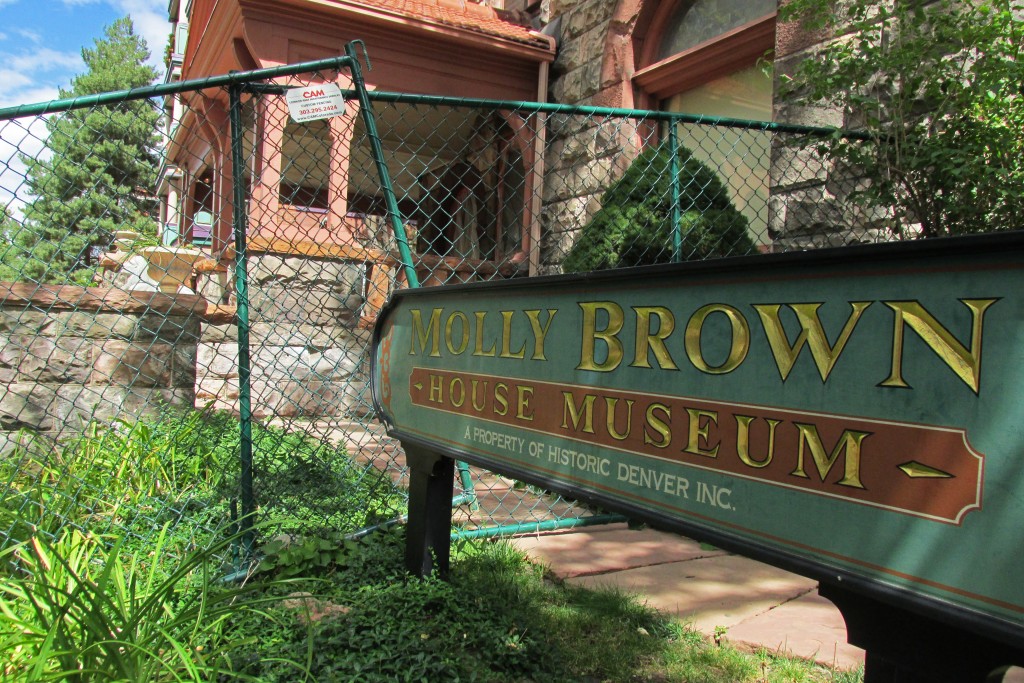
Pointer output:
501, 399
611, 416
743, 441
574, 413
647, 342
524, 411
811, 333
849, 442
539, 333
506, 337
464, 324
659, 425
964, 362
432, 333
608, 335
738, 348
478, 350
697, 442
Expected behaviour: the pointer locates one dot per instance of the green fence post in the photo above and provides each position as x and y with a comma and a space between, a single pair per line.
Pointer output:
240, 223
366, 111
677, 228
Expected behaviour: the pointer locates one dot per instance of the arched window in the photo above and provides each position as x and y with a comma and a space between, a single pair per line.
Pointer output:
713, 57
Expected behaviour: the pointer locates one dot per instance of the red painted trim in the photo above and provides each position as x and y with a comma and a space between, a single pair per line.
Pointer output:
725, 54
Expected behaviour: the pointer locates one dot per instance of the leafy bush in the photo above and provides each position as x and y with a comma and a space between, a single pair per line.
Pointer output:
634, 225
936, 86
122, 476
498, 619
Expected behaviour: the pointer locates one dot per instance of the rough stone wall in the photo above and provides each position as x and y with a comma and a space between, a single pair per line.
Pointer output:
576, 73
308, 356
61, 368
584, 155
810, 205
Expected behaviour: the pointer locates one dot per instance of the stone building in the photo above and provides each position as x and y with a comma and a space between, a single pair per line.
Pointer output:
512, 205
321, 258
720, 58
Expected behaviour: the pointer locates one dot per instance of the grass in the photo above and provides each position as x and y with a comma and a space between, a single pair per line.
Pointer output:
499, 619
113, 552
83, 608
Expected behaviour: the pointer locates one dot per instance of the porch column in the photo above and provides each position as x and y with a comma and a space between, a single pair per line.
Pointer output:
265, 204
341, 129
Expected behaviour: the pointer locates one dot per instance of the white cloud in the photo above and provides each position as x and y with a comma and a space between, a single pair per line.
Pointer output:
12, 80
24, 136
32, 72
45, 60
35, 76
150, 20
29, 34
30, 93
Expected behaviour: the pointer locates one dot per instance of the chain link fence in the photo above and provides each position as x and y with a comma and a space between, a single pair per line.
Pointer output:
191, 276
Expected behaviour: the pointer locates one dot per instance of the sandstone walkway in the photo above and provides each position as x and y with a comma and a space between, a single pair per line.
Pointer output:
755, 605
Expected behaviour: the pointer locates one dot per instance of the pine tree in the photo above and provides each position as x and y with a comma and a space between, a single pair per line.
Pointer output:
9, 228
101, 174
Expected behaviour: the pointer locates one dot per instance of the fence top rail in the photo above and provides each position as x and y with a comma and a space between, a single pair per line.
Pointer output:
234, 78
238, 78
585, 110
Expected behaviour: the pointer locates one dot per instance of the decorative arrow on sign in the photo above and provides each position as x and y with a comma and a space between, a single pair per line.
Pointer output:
917, 470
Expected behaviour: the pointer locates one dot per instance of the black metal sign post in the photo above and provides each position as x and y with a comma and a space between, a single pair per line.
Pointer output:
429, 532
849, 415
902, 646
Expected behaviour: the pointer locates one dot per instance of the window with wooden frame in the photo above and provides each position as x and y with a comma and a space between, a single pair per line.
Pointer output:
714, 57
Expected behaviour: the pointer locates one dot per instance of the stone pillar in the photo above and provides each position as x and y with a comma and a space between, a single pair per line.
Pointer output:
309, 356
584, 155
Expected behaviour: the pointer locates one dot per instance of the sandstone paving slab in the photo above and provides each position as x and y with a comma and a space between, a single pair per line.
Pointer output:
598, 550
708, 592
809, 627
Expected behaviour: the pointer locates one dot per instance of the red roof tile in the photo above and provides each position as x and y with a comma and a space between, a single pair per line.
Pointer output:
461, 14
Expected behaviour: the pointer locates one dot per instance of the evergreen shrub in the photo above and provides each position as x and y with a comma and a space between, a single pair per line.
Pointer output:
634, 225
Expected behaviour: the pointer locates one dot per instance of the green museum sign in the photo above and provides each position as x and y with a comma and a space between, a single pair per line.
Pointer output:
855, 415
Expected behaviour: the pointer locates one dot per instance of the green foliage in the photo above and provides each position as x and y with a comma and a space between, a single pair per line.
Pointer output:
81, 609
937, 88
100, 175
306, 556
136, 477
500, 618
9, 227
392, 627
129, 476
141, 604
634, 225
306, 484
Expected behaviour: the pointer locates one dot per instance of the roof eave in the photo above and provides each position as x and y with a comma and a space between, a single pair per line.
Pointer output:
543, 50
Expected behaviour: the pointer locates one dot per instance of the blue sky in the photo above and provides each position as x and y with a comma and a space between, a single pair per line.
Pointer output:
41, 45
41, 41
